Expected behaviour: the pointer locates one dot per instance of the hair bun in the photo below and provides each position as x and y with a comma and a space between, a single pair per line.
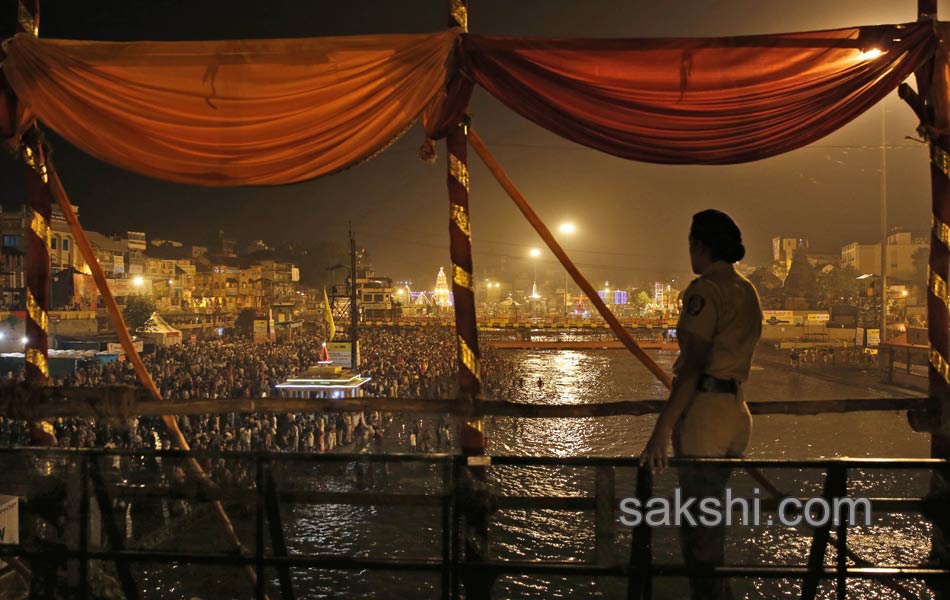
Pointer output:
738, 253
719, 233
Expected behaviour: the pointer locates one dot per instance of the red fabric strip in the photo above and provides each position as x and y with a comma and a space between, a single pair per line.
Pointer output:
698, 101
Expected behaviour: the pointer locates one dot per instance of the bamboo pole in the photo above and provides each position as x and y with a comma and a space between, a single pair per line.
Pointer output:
38, 234
933, 84
622, 334
125, 339
460, 243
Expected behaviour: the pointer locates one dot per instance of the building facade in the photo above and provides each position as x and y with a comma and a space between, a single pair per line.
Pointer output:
904, 252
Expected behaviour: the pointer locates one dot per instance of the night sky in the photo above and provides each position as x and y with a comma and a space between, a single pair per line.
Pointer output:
632, 218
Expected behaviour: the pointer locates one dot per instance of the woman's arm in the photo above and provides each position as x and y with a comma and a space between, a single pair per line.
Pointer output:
695, 358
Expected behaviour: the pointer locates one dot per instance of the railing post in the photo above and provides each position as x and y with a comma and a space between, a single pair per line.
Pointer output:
640, 586
841, 544
71, 534
476, 510
448, 528
835, 486
604, 494
115, 538
84, 526
259, 538
278, 543
456, 535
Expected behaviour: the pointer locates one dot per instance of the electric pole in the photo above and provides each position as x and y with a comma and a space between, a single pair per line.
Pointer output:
354, 310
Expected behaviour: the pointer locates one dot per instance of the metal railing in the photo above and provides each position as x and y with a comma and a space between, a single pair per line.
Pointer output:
456, 508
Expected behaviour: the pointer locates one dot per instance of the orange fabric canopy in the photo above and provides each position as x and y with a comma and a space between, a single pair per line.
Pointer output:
702, 100
269, 112
227, 113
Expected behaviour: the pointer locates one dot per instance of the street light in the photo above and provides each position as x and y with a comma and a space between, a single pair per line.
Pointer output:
567, 228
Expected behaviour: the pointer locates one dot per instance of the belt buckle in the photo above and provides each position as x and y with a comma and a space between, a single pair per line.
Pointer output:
714, 385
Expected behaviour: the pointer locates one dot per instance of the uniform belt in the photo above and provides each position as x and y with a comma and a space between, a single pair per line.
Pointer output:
708, 383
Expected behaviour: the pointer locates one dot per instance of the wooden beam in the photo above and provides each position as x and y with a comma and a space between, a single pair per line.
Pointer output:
122, 402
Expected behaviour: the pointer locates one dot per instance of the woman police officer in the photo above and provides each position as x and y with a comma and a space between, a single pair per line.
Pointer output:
706, 415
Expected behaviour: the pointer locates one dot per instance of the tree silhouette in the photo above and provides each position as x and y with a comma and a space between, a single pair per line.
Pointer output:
137, 311
801, 285
769, 287
839, 286
244, 322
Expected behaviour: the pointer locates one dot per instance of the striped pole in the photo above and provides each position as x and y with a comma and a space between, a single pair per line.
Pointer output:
933, 82
935, 85
37, 261
460, 240
37, 246
473, 479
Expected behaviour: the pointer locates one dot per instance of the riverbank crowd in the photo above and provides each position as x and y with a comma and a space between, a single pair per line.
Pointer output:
404, 363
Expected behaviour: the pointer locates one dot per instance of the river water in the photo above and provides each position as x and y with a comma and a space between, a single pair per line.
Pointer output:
585, 377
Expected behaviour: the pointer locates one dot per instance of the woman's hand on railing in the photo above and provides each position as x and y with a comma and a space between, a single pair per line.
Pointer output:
654, 454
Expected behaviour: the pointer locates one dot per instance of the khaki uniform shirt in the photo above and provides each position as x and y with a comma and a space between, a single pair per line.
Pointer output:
722, 306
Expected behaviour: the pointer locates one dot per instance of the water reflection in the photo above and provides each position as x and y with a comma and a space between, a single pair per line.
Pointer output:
601, 376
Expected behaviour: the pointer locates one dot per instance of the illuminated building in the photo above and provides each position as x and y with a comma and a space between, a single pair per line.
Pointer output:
901, 246
374, 296
443, 297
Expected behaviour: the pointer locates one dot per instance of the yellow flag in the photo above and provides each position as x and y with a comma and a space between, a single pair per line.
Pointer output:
328, 316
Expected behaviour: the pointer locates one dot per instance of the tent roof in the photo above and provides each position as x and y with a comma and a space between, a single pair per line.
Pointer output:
156, 324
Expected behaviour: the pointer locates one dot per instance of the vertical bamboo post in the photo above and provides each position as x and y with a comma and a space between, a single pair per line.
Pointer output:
933, 83
37, 248
938, 316
460, 242
474, 486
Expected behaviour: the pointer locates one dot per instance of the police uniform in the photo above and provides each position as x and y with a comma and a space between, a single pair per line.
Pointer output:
721, 307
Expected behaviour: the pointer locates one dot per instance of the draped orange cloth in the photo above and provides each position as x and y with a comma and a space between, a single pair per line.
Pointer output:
228, 113
701, 100
268, 112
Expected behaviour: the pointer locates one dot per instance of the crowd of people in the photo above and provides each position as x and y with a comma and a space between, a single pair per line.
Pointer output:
401, 363
850, 357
